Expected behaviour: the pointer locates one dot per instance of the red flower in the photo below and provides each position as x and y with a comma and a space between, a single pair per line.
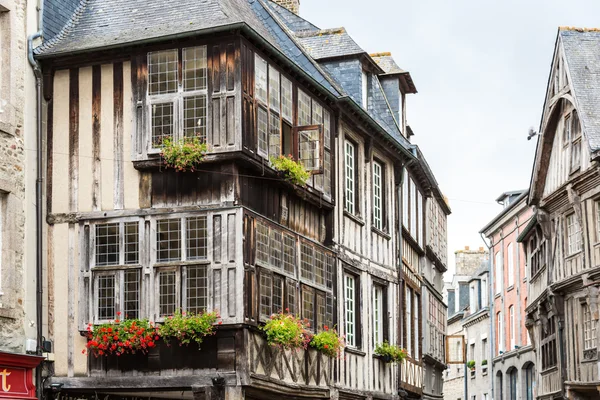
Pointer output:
100, 352
115, 337
325, 327
118, 312
155, 337
110, 329
150, 343
220, 322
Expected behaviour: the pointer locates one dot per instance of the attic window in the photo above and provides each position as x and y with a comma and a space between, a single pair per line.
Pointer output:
178, 104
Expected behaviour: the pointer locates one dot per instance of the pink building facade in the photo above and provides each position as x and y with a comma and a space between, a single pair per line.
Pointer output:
512, 353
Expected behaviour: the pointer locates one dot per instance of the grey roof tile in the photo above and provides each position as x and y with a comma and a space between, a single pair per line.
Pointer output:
582, 53
387, 63
329, 43
292, 21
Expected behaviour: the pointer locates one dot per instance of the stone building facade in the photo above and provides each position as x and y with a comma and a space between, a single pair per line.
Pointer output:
14, 277
468, 327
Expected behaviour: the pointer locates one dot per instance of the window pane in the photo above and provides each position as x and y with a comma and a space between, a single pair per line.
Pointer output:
409, 321
196, 238
196, 289
106, 297
327, 128
274, 136
574, 234
286, 99
277, 294
262, 244
132, 243
304, 107
266, 294
308, 307
273, 88
167, 300
291, 297
260, 79
317, 113
377, 196
349, 167
327, 173
319, 267
194, 68
330, 270
307, 262
261, 125
329, 310
309, 149
276, 244
162, 72
162, 123
168, 238
289, 254
194, 117
377, 315
107, 244
321, 311
131, 308
349, 310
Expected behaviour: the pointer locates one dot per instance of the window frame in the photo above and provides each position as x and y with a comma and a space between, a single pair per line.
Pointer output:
176, 99
510, 250
548, 346
589, 328
353, 338
575, 142
512, 330
573, 235
379, 301
381, 222
351, 184
119, 293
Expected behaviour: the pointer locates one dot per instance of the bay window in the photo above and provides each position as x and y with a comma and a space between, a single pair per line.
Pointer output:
177, 104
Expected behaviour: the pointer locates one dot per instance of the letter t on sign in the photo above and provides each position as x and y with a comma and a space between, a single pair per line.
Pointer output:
5, 386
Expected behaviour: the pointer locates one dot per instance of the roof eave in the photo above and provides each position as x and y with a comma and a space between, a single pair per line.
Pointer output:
505, 211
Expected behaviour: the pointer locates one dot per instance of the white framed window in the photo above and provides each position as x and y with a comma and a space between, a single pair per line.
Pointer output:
350, 176
350, 302
417, 323
378, 315
573, 234
513, 336
589, 329
500, 331
511, 264
378, 198
177, 104
597, 220
498, 272
409, 320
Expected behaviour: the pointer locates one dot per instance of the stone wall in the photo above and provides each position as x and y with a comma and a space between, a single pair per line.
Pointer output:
468, 261
13, 57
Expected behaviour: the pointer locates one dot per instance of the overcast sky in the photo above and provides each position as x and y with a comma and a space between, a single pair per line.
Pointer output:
481, 69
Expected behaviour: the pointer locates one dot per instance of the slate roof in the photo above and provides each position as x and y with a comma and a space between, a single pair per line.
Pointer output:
329, 43
292, 21
387, 63
582, 53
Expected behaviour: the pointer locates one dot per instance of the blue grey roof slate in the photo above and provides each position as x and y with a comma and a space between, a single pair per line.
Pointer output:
329, 43
55, 16
582, 53
379, 109
387, 63
292, 21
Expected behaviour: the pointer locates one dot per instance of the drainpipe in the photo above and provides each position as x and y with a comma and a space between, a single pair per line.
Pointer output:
492, 315
38, 208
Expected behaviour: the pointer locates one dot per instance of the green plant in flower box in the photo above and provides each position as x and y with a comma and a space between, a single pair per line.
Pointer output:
286, 331
293, 171
390, 353
189, 327
471, 364
328, 342
185, 154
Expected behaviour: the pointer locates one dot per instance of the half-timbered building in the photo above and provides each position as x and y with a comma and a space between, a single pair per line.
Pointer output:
127, 236
562, 242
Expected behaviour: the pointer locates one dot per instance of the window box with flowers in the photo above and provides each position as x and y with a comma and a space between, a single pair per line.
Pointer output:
390, 353
184, 154
286, 331
291, 170
328, 342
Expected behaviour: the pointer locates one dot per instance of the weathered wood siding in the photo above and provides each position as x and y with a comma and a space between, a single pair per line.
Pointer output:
90, 162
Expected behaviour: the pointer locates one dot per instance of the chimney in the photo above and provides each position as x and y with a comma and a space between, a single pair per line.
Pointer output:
292, 5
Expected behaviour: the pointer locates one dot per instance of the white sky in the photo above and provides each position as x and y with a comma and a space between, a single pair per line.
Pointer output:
481, 69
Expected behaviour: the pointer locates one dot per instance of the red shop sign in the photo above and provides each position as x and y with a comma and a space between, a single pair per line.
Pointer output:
16, 376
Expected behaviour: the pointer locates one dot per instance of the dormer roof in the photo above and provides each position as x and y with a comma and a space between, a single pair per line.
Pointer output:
390, 68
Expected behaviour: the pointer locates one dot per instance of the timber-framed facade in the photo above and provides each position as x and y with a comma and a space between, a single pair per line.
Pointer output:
127, 236
562, 240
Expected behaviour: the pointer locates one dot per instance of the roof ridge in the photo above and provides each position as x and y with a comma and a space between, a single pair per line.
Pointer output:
577, 29
321, 32
381, 54
70, 24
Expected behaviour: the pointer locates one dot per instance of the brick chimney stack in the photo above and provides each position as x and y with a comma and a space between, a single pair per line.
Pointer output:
292, 5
